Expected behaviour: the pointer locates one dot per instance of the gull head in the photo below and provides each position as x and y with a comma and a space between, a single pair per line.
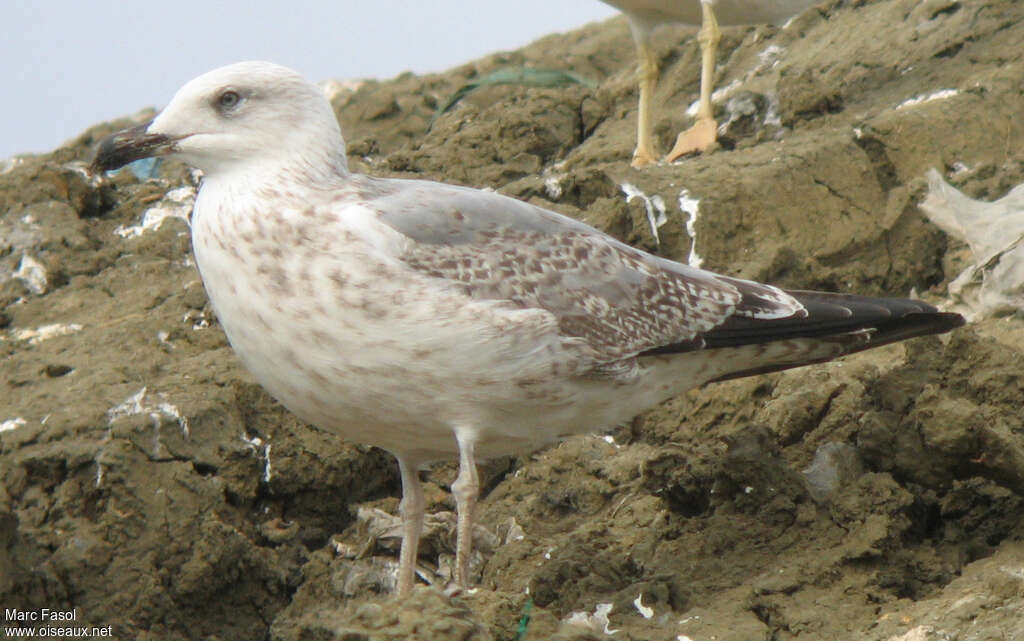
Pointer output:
246, 116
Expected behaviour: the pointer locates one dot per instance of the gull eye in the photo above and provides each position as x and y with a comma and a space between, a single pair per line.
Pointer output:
228, 100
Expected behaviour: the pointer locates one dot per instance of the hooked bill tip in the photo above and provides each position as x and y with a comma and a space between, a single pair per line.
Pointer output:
123, 147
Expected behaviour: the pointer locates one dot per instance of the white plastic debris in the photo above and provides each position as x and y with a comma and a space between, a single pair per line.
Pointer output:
334, 88
920, 633
515, 531
994, 284
768, 58
33, 273
12, 424
598, 621
261, 449
553, 187
46, 332
8, 164
177, 203
197, 318
836, 465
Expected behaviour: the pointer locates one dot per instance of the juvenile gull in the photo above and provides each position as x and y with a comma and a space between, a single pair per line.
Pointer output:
645, 15
433, 320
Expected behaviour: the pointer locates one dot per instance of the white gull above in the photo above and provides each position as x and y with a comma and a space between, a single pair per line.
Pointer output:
645, 15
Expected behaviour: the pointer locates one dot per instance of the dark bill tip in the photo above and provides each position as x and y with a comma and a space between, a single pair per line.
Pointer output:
119, 149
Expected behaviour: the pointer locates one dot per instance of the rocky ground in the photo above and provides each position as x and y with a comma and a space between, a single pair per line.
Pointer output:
147, 481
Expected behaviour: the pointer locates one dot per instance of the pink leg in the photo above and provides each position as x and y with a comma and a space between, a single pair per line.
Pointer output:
411, 509
466, 490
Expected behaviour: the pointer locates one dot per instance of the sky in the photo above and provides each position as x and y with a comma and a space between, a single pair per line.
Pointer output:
66, 65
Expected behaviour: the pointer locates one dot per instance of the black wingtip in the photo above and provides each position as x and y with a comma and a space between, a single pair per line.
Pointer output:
912, 325
855, 322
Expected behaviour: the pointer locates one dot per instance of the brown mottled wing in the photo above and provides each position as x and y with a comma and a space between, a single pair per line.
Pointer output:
619, 300
597, 291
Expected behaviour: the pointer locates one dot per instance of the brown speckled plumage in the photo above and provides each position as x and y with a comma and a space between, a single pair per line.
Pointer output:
434, 320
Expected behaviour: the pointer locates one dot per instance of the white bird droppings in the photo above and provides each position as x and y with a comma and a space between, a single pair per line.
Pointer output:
645, 612
135, 404
941, 94
691, 206
654, 206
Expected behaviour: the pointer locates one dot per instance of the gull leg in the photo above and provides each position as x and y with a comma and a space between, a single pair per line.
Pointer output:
704, 133
465, 489
647, 73
411, 509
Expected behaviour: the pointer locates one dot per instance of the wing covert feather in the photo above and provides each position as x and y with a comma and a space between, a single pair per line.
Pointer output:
618, 299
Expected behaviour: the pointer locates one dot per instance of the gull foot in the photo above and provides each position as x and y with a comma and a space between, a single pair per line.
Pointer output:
701, 137
643, 158
453, 590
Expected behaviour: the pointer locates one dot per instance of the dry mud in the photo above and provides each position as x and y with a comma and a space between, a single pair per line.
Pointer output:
147, 481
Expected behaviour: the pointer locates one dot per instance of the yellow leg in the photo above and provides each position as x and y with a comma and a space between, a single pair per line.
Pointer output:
703, 135
647, 71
